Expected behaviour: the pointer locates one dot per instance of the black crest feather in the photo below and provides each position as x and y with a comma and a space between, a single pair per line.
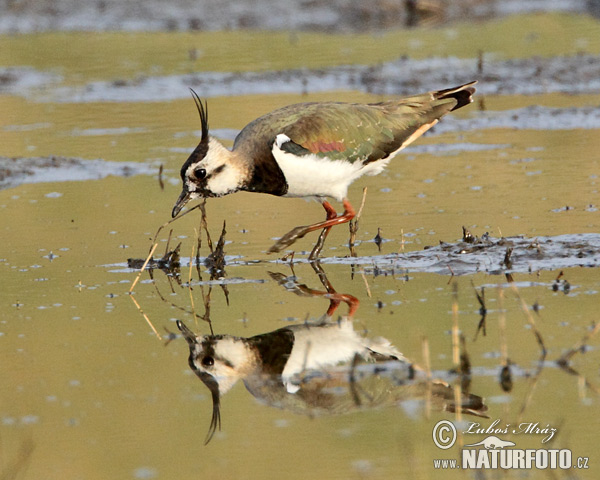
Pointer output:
203, 112
200, 151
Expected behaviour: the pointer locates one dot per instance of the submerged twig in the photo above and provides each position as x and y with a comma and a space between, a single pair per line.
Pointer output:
427, 362
378, 239
13, 469
505, 373
482, 310
532, 324
455, 339
564, 359
161, 184
538, 336
190, 287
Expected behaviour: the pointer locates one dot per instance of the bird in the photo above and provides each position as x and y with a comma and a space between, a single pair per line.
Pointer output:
316, 368
314, 150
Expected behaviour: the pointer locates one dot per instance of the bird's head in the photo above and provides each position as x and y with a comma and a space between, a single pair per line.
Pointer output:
210, 170
219, 361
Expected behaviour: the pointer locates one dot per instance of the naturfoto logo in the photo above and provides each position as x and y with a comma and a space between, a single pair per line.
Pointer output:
493, 452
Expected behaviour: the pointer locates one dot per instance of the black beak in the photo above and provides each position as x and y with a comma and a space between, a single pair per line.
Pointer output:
187, 333
181, 201
209, 381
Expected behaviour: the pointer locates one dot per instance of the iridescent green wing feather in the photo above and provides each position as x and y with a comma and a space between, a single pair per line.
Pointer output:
363, 133
353, 132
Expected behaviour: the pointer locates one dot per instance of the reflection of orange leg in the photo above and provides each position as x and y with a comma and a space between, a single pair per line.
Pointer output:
299, 232
336, 298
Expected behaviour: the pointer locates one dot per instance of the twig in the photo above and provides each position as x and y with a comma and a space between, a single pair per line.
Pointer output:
174, 219
143, 267
353, 225
204, 224
362, 274
146, 317
402, 240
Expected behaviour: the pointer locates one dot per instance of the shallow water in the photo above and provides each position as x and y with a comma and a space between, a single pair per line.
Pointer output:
90, 392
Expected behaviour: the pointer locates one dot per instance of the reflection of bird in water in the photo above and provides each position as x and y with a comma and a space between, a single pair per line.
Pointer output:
324, 368
313, 150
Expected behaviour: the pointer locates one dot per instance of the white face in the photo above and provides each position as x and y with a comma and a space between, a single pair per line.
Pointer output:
214, 175
224, 358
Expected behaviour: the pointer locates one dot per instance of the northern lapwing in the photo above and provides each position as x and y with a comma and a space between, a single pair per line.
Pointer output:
319, 368
312, 150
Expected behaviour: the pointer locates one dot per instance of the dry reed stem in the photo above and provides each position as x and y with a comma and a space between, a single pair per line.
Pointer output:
143, 267
362, 203
402, 240
362, 274
353, 225
174, 219
145, 317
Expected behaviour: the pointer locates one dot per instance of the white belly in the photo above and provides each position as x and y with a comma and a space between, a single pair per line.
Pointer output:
311, 175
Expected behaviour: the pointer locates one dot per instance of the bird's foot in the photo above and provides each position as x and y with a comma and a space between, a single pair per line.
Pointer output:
289, 238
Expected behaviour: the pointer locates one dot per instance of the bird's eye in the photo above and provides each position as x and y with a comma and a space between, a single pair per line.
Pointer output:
208, 361
200, 173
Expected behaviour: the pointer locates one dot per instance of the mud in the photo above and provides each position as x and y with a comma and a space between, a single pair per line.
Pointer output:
16, 171
488, 255
405, 76
494, 256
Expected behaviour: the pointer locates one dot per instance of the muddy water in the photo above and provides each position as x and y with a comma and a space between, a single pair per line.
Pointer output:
88, 391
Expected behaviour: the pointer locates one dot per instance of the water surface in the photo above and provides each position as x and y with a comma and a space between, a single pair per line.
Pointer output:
88, 389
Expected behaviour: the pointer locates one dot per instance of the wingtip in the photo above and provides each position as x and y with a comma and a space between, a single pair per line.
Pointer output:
463, 94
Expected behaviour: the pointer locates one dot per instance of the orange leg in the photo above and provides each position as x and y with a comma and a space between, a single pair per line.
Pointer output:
299, 232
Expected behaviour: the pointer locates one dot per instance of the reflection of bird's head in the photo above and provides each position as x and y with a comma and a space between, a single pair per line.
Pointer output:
219, 361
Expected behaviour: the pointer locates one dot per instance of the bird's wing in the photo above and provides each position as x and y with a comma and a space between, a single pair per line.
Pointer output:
354, 132
366, 133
